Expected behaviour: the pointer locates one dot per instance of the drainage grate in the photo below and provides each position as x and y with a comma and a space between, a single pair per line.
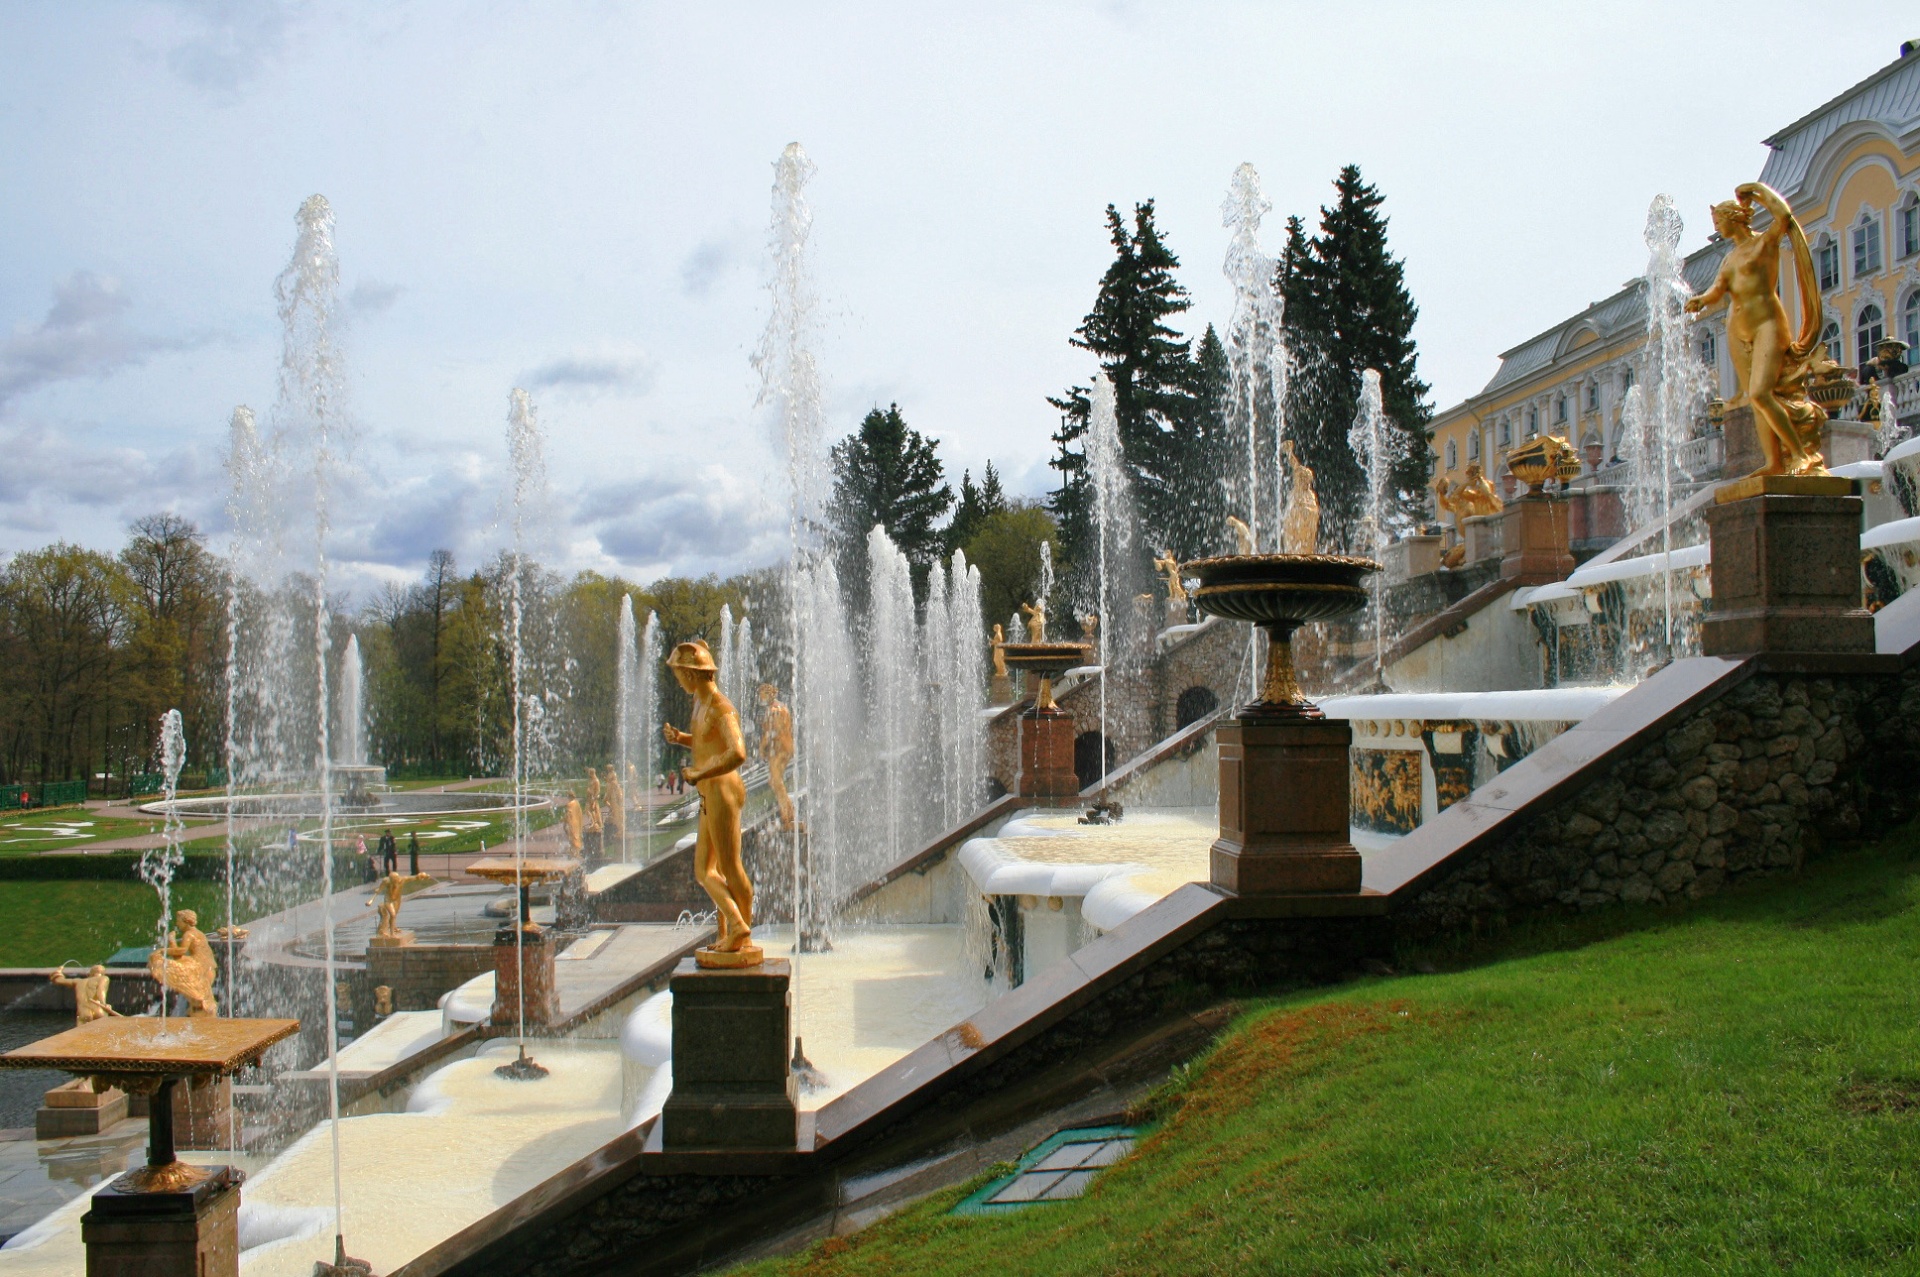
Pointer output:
1059, 1168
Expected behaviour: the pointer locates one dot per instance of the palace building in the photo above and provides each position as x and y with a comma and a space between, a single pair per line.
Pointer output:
1851, 171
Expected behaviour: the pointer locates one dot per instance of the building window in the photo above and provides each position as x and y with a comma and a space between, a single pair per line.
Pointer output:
1830, 338
1866, 245
1560, 410
1473, 445
1593, 396
1533, 422
1710, 350
1626, 380
1910, 226
1506, 432
1827, 256
1453, 455
1870, 329
1910, 322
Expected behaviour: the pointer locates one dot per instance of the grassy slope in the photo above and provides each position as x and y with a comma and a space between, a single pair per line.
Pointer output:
43, 923
1724, 1090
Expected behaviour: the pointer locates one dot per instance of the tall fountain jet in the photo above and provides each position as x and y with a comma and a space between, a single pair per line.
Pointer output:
352, 748
1113, 525
1378, 446
1256, 360
1672, 393
526, 451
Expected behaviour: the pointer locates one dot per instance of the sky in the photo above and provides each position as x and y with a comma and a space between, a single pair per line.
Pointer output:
573, 198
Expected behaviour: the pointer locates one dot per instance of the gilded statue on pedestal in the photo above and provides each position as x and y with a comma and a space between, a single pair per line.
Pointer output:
1771, 364
718, 751
1475, 496
1036, 614
185, 965
999, 651
776, 746
1300, 530
391, 890
89, 993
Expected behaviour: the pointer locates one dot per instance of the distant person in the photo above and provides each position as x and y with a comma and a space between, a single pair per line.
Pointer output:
389, 852
413, 853
366, 857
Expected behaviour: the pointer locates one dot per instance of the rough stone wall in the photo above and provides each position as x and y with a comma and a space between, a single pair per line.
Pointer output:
419, 974
1750, 784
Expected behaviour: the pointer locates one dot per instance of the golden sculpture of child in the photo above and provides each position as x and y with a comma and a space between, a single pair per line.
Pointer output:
718, 751
776, 746
1036, 614
185, 965
89, 994
616, 803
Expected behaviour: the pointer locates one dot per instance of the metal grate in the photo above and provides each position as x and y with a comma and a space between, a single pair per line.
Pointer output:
1061, 1167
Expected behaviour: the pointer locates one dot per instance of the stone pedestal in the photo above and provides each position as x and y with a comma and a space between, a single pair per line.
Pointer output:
1046, 754
535, 952
1786, 568
732, 1088
1536, 539
190, 1233
1412, 556
1283, 807
1002, 690
1842, 442
75, 1108
399, 940
1483, 535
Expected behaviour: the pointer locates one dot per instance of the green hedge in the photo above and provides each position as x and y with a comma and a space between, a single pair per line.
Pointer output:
196, 866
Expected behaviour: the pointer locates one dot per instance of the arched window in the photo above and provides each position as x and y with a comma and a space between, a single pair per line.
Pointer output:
1866, 244
1506, 432
1830, 338
1473, 445
1869, 330
1194, 704
1826, 256
1453, 454
1560, 411
1593, 396
1533, 422
1910, 322
1909, 224
1710, 350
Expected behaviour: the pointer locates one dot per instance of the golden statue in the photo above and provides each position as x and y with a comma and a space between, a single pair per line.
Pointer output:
776, 746
593, 796
89, 993
1090, 626
633, 786
1176, 588
999, 651
616, 805
1771, 365
1300, 530
571, 819
391, 889
718, 751
185, 965
1036, 614
1242, 535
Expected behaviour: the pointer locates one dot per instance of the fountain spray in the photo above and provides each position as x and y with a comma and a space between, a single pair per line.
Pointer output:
1676, 380
1378, 446
527, 452
1111, 514
157, 865
624, 692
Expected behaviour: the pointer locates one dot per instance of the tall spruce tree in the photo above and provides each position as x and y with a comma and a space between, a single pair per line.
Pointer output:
1347, 310
1164, 432
975, 507
886, 473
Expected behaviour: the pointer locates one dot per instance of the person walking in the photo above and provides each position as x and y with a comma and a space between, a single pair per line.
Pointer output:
366, 857
389, 852
413, 853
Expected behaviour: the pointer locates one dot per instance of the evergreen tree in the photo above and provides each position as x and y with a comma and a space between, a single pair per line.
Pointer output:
975, 506
889, 474
1209, 450
1347, 310
1071, 504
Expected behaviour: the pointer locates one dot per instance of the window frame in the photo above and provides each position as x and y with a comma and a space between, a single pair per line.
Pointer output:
1863, 344
1909, 226
1867, 257
1826, 260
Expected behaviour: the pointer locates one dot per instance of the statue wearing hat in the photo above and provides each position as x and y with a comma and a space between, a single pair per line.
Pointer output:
718, 751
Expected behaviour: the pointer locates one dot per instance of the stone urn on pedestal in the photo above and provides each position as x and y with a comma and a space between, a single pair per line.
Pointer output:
1046, 730
1283, 764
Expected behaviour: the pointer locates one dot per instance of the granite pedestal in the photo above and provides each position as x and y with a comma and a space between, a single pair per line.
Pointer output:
1786, 568
530, 959
75, 1108
190, 1232
732, 1087
1284, 807
1537, 540
1046, 754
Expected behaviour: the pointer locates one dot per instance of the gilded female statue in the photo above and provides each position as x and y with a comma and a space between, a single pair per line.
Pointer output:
1771, 364
185, 965
1300, 530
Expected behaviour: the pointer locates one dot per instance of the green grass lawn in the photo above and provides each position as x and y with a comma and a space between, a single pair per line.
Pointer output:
69, 827
45, 923
1729, 1089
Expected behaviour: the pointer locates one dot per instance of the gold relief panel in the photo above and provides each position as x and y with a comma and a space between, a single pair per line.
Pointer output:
1386, 790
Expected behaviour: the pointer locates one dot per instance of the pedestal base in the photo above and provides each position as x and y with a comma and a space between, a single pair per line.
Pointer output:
732, 1087
75, 1108
399, 940
1283, 808
190, 1233
1536, 540
1786, 568
535, 949
1002, 690
1046, 754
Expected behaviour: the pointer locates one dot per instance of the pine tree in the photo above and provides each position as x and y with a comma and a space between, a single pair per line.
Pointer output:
976, 505
1071, 504
1207, 451
1348, 309
886, 473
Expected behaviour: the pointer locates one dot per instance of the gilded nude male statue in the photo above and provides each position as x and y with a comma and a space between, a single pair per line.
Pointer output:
89, 994
1770, 363
776, 746
718, 751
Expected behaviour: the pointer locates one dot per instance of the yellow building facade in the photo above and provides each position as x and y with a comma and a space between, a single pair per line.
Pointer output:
1850, 169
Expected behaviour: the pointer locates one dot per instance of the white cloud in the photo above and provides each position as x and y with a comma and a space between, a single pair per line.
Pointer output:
84, 334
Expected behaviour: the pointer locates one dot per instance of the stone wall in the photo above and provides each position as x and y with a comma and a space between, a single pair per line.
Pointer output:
420, 974
1748, 784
